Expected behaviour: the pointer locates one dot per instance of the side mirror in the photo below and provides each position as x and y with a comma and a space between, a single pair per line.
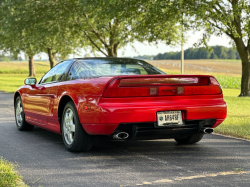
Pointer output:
30, 81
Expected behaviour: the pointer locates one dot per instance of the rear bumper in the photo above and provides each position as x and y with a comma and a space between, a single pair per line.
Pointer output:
108, 114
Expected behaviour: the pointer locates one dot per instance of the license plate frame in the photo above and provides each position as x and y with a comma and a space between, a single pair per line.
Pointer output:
169, 118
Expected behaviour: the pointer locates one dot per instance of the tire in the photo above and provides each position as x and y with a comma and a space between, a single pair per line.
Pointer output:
190, 139
74, 137
21, 124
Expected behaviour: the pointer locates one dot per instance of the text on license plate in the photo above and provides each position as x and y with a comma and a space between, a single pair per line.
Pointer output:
165, 118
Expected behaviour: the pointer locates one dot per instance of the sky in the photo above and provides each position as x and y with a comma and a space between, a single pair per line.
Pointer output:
145, 49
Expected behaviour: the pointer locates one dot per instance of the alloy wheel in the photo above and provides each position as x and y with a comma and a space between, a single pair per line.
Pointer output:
69, 126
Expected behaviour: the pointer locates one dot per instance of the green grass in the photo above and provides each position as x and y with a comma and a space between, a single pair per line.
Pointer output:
22, 67
237, 123
227, 60
11, 82
9, 176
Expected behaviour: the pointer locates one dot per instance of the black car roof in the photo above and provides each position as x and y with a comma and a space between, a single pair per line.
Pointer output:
109, 58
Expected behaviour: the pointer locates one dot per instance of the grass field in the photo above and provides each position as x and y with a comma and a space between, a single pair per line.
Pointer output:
8, 175
12, 74
22, 67
11, 82
237, 123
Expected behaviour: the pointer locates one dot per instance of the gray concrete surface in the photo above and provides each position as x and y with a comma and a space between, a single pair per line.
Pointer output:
43, 160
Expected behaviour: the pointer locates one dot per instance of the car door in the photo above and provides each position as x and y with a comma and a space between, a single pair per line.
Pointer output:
37, 103
40, 98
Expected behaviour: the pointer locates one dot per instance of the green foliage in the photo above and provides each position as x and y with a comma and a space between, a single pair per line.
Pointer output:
218, 52
229, 81
8, 175
28, 26
230, 17
62, 26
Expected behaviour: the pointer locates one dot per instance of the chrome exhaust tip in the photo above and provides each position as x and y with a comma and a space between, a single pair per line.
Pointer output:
208, 130
120, 135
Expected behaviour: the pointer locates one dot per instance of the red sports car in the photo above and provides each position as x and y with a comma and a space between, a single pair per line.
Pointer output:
121, 98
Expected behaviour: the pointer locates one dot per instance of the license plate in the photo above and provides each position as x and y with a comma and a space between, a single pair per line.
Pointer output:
166, 118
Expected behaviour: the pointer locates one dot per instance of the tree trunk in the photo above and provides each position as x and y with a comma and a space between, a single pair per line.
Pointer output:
244, 53
112, 50
32, 72
245, 78
51, 57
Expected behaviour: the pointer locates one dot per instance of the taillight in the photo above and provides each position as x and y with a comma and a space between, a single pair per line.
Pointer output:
139, 88
113, 90
215, 86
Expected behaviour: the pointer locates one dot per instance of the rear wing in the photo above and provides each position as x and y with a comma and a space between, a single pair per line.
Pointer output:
162, 85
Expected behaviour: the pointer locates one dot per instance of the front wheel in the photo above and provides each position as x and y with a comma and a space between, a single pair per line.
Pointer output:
21, 124
74, 137
190, 139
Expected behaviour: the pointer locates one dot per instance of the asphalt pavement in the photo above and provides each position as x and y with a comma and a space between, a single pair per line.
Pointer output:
214, 161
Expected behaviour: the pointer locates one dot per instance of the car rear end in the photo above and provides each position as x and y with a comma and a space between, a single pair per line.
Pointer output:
158, 106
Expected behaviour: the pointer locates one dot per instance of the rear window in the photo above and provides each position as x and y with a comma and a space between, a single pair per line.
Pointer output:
111, 67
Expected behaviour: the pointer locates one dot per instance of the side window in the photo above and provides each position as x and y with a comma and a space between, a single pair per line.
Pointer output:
56, 72
81, 70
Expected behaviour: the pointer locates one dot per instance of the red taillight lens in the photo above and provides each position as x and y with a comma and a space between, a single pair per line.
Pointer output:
215, 86
111, 90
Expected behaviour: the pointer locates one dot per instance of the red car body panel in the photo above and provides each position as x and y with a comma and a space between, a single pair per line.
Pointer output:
40, 103
113, 111
101, 116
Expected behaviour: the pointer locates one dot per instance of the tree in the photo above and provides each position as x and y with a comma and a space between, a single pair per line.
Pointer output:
230, 17
106, 26
12, 38
231, 53
26, 26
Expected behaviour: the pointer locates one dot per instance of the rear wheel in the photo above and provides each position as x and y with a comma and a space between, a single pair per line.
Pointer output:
190, 139
74, 137
21, 124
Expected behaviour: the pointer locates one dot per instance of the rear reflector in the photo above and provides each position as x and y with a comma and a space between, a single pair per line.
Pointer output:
138, 87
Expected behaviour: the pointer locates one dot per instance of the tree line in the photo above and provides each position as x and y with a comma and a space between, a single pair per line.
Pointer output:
60, 28
215, 52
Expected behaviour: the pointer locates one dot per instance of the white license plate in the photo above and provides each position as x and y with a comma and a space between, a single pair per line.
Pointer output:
166, 118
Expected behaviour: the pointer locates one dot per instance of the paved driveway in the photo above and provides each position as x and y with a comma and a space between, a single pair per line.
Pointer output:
43, 160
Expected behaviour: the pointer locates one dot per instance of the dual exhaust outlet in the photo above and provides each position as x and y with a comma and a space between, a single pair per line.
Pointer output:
124, 135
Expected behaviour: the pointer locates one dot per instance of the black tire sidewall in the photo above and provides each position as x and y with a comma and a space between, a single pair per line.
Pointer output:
191, 139
78, 127
22, 126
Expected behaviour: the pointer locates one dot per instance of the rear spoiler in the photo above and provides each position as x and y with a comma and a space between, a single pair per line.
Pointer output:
162, 85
